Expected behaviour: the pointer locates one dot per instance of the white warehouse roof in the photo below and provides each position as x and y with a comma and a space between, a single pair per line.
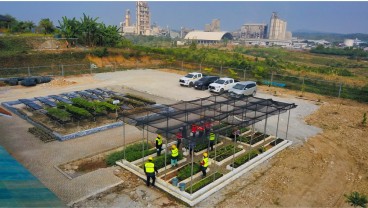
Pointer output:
200, 35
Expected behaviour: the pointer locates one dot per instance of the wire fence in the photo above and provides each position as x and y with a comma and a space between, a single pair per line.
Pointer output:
303, 84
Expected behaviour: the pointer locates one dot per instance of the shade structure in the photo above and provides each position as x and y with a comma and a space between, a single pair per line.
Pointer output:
235, 112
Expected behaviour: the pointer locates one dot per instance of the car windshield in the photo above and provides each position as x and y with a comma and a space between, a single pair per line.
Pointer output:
220, 81
189, 76
239, 87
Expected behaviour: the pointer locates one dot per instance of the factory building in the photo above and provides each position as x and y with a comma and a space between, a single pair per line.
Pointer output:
253, 31
277, 29
143, 19
202, 37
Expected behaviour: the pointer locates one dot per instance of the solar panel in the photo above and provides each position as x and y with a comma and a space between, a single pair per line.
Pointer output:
46, 101
87, 95
30, 104
70, 95
60, 99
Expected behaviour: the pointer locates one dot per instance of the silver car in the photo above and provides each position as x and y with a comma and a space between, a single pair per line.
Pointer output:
243, 89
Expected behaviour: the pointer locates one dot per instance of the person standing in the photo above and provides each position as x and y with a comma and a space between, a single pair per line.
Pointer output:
191, 145
212, 139
174, 155
150, 169
204, 164
179, 137
158, 144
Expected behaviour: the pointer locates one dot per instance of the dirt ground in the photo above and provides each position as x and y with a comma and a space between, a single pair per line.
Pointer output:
316, 173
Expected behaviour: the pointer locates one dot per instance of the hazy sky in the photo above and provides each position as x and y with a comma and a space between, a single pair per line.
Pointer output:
339, 17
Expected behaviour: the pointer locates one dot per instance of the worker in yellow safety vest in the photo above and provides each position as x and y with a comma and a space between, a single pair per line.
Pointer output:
204, 164
174, 155
150, 169
159, 144
212, 139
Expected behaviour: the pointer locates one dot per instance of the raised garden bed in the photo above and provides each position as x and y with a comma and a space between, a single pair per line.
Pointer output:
224, 152
204, 149
132, 152
204, 182
185, 172
243, 130
257, 137
245, 158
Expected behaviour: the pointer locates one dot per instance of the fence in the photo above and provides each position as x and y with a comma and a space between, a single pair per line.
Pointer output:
303, 84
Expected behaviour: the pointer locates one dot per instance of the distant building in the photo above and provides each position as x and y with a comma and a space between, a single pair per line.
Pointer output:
349, 42
253, 31
202, 37
277, 28
126, 27
143, 19
213, 27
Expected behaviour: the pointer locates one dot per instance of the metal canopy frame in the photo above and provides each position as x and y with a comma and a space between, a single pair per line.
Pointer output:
167, 119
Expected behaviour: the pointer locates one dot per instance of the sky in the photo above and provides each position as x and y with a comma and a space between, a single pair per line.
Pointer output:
332, 16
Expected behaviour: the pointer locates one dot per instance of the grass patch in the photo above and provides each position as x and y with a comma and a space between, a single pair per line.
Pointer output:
245, 158
257, 137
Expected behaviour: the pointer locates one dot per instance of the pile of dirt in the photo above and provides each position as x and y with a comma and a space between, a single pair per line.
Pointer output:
59, 82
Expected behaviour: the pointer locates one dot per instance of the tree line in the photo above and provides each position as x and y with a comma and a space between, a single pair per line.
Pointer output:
87, 29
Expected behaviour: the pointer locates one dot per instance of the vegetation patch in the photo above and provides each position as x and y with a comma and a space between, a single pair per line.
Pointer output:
185, 172
245, 158
224, 152
204, 182
139, 98
132, 152
257, 137
59, 115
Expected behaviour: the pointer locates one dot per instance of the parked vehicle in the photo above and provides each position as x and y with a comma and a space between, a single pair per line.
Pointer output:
222, 85
204, 82
241, 89
190, 78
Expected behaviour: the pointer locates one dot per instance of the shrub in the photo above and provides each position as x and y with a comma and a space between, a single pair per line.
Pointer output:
355, 199
132, 152
204, 182
83, 103
78, 112
59, 114
185, 172
245, 158
105, 106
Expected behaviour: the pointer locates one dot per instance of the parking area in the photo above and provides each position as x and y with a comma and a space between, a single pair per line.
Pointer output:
40, 158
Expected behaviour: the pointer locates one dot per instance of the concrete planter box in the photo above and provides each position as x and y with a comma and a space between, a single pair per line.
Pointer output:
258, 143
195, 176
228, 158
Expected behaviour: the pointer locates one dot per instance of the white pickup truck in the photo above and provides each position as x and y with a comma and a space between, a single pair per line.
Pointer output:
190, 78
222, 85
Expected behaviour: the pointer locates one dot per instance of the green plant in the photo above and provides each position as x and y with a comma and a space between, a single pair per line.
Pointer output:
224, 152
105, 106
356, 199
83, 103
59, 114
132, 152
245, 158
160, 160
257, 137
139, 98
204, 182
185, 172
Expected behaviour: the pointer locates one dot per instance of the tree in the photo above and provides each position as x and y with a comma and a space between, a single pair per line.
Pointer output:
29, 25
89, 26
46, 25
355, 199
70, 28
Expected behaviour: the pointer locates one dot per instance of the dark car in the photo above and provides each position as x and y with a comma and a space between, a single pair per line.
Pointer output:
203, 83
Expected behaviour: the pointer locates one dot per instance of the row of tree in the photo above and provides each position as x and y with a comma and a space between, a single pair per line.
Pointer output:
87, 30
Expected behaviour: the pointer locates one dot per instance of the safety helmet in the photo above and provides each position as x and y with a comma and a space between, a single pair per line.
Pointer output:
173, 146
150, 158
159, 135
205, 154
